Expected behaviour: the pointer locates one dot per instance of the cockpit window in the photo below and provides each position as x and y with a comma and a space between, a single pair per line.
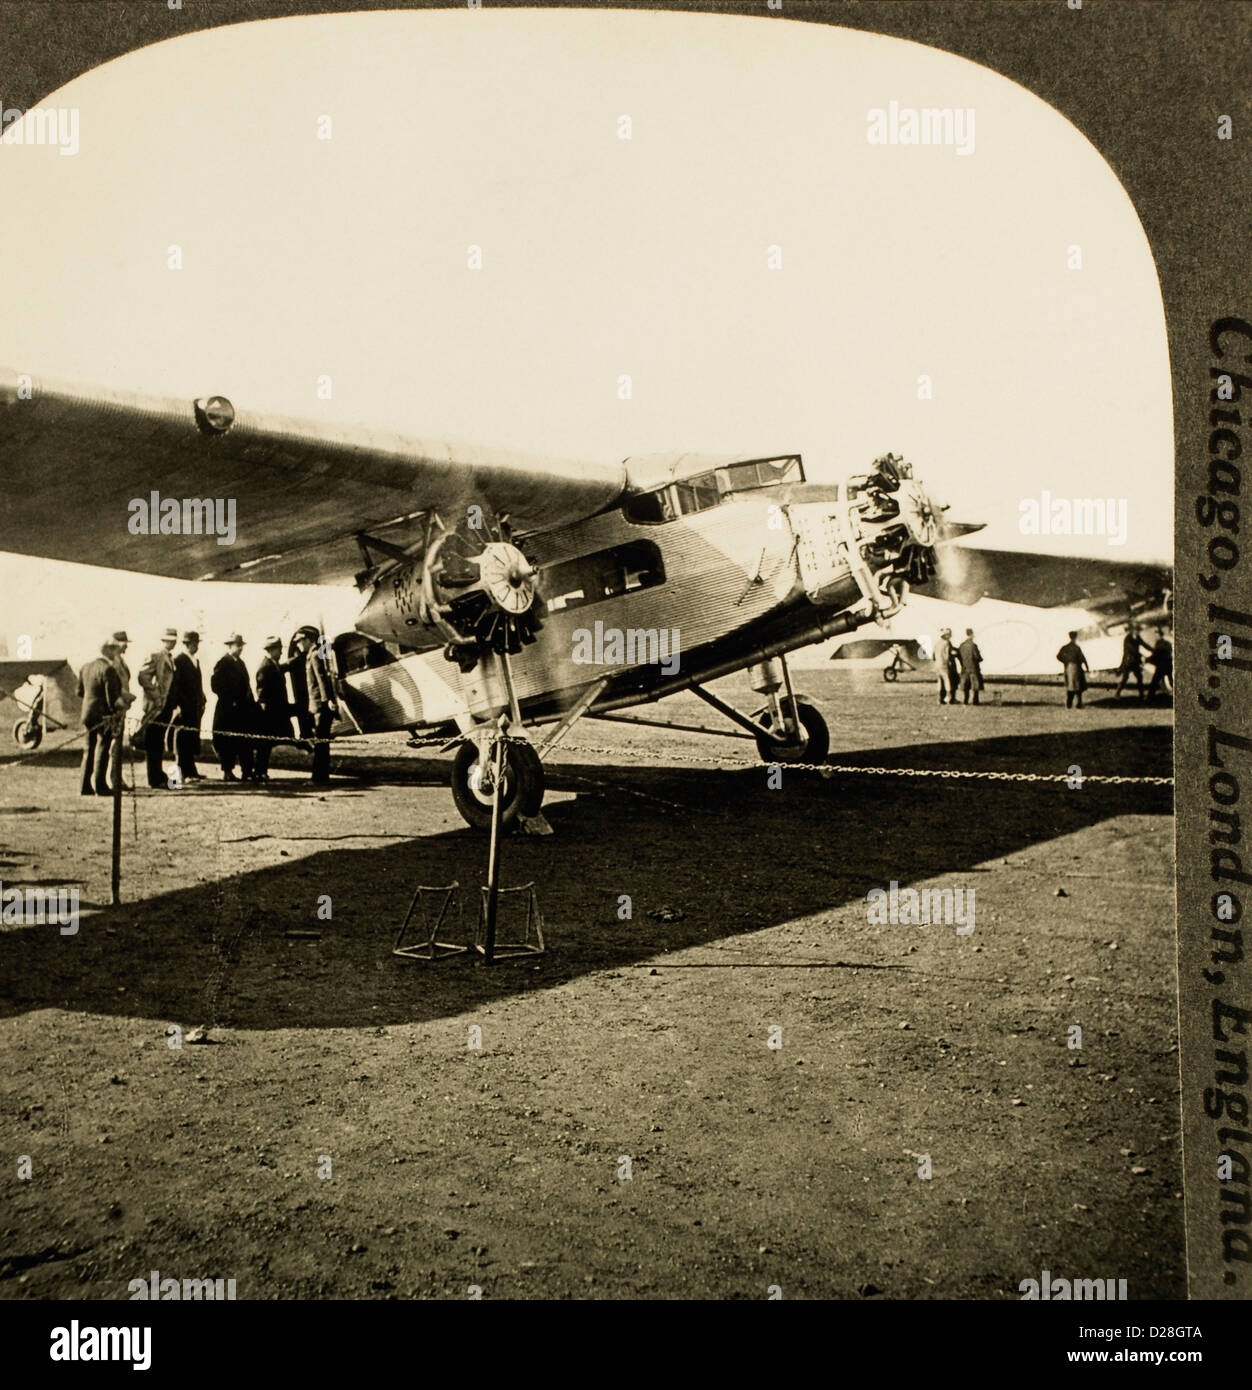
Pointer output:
649, 508
697, 494
704, 490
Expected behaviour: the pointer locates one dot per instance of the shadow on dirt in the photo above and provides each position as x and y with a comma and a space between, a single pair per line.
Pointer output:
720, 848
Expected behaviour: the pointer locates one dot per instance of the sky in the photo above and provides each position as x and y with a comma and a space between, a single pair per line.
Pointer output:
601, 257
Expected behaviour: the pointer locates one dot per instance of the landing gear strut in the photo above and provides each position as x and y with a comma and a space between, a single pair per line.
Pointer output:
797, 731
786, 729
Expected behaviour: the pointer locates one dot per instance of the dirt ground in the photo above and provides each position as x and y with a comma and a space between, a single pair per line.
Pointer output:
625, 1129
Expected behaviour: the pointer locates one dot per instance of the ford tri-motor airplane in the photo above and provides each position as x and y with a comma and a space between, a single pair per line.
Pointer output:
495, 584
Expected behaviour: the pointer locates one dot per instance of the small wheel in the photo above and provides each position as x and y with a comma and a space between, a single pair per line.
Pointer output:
27, 735
472, 788
813, 748
889, 673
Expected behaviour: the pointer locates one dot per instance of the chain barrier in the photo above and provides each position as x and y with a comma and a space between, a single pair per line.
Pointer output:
852, 769
824, 769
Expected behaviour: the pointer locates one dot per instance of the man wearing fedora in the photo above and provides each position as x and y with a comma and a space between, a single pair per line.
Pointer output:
234, 717
156, 679
100, 689
274, 718
186, 706
322, 705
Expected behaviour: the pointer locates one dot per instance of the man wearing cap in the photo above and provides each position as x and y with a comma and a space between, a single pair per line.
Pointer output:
945, 666
234, 716
186, 708
100, 689
274, 719
1133, 647
156, 679
971, 666
1072, 657
322, 705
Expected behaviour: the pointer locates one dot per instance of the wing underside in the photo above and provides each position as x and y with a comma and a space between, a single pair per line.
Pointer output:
966, 574
76, 463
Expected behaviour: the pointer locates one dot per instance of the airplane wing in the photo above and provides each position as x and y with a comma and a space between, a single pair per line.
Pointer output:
1115, 587
866, 648
73, 461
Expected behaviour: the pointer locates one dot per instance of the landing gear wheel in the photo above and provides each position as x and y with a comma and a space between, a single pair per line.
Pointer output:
814, 747
472, 788
26, 735
889, 673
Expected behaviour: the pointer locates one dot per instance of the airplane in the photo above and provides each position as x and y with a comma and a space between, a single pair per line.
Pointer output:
500, 591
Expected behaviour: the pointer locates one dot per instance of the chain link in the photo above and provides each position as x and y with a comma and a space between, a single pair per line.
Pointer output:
849, 769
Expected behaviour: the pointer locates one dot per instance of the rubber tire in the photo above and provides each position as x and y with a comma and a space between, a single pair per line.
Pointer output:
815, 749
518, 790
26, 737
889, 673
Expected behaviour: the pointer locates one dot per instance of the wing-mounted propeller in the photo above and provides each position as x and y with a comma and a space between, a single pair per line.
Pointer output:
481, 592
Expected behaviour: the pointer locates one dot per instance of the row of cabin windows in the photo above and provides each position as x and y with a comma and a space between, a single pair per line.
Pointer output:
705, 490
623, 569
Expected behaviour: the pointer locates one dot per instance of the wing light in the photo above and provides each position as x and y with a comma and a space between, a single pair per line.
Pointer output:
215, 415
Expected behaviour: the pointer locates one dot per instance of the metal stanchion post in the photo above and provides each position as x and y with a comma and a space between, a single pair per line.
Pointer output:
119, 731
493, 855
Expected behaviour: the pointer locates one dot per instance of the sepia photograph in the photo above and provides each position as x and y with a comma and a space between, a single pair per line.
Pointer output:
587, 663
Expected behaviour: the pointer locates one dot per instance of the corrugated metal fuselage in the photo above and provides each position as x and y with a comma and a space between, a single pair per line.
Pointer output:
732, 589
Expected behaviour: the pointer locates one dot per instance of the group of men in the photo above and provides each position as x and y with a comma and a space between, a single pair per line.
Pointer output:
1073, 661
1161, 657
947, 660
246, 725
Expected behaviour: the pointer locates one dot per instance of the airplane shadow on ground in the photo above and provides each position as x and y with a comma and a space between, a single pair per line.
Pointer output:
717, 846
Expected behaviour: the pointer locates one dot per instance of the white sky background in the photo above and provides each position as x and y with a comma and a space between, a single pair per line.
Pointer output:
601, 256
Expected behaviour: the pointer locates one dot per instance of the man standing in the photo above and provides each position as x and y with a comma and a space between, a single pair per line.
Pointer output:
100, 689
971, 666
1133, 647
274, 720
121, 641
294, 667
234, 717
322, 705
1162, 660
1075, 662
156, 679
186, 708
945, 666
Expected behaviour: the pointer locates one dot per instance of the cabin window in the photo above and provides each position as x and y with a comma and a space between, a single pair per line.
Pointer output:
605, 574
